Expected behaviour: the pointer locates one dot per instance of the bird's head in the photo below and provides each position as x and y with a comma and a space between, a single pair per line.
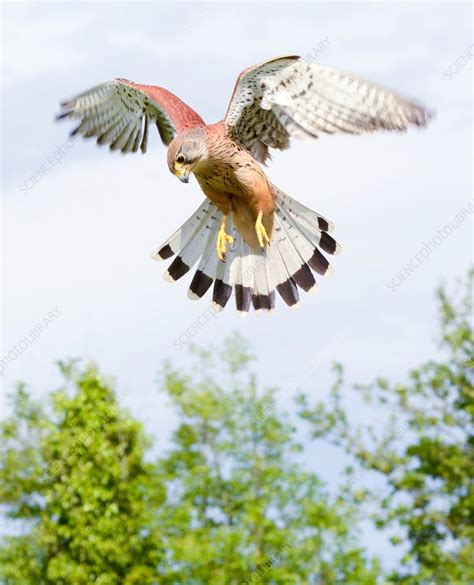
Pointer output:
185, 152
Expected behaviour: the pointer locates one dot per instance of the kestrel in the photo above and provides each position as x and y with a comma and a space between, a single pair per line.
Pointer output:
247, 235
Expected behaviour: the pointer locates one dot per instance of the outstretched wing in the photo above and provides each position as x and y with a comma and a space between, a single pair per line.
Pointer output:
119, 113
289, 97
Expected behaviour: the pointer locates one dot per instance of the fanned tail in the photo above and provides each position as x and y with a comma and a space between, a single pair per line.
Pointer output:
287, 264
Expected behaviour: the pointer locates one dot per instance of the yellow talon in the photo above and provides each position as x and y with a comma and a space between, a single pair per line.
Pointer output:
222, 239
262, 235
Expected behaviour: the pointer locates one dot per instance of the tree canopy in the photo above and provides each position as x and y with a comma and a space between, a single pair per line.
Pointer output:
424, 451
229, 500
75, 475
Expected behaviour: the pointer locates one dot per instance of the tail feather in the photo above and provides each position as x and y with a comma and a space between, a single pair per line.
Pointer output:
193, 250
304, 215
185, 233
263, 298
277, 270
244, 278
206, 270
285, 265
301, 240
282, 264
224, 277
302, 252
306, 244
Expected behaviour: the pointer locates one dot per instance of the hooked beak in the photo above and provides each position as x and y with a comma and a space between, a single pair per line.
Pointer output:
183, 173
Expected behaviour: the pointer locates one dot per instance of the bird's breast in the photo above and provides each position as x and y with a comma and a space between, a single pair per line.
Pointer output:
218, 177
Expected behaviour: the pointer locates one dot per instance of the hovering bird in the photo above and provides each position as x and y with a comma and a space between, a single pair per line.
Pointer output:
247, 235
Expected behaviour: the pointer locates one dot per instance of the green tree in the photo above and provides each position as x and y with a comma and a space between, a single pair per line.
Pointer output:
230, 501
226, 504
424, 452
74, 475
240, 507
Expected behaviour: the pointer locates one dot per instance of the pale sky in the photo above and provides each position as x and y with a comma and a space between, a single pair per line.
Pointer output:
77, 244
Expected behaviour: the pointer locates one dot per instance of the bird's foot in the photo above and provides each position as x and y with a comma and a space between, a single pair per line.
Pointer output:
222, 239
262, 235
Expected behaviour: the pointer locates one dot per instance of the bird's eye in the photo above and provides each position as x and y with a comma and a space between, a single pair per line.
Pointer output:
180, 159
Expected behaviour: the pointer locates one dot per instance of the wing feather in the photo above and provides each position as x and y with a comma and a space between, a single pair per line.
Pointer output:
118, 113
288, 97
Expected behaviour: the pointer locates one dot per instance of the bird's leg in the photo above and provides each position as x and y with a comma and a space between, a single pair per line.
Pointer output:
262, 235
222, 239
